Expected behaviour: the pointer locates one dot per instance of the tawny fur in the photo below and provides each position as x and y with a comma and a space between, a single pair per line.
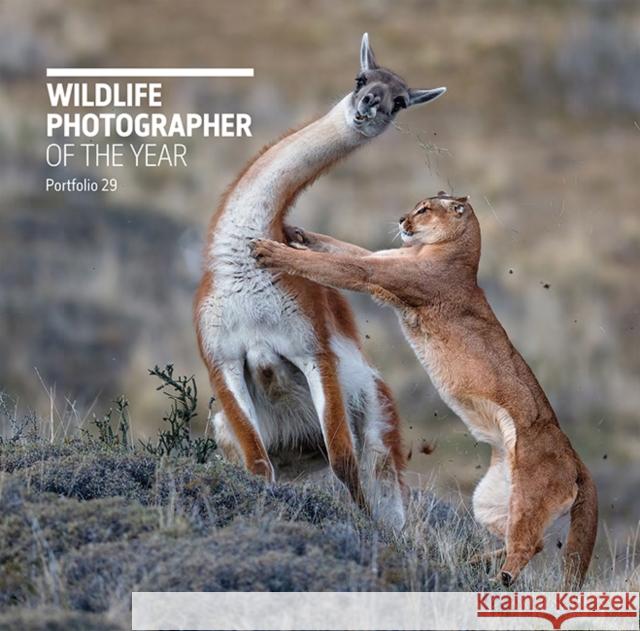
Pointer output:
535, 475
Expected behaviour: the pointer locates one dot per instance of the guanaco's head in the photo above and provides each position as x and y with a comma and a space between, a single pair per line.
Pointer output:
437, 220
380, 94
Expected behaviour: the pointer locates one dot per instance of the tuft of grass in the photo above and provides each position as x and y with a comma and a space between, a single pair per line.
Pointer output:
113, 429
18, 427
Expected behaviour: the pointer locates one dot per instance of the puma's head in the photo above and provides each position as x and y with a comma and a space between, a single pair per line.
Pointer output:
436, 220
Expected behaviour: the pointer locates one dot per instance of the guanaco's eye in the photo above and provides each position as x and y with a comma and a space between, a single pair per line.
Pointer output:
360, 82
398, 104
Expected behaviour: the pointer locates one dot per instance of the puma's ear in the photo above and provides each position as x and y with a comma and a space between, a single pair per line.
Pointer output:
464, 199
416, 97
442, 194
458, 208
367, 59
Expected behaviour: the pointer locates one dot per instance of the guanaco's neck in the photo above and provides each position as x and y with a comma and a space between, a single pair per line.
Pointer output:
261, 198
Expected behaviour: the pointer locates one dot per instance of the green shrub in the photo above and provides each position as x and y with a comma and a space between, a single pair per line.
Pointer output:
106, 434
176, 439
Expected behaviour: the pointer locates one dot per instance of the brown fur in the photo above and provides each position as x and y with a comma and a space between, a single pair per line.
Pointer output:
432, 283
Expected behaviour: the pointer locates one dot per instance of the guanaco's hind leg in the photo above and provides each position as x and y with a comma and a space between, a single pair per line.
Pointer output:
229, 384
225, 439
383, 459
543, 488
326, 393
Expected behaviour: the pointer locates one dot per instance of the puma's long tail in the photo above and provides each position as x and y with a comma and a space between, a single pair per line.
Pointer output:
583, 530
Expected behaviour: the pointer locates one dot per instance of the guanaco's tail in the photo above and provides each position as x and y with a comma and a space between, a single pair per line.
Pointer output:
583, 530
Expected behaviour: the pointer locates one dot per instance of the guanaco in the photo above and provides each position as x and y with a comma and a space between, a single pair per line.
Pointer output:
283, 353
535, 475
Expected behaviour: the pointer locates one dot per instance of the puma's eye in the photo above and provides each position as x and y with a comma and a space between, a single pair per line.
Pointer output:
360, 82
398, 104
421, 211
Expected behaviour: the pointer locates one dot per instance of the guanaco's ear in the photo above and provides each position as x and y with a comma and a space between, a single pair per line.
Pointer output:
416, 97
367, 59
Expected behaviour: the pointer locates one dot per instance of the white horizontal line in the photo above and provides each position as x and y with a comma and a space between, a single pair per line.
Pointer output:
149, 72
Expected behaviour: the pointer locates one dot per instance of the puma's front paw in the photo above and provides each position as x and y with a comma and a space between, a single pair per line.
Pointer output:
269, 253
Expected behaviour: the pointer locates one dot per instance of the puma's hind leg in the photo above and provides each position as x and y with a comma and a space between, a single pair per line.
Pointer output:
539, 495
492, 496
528, 519
492, 502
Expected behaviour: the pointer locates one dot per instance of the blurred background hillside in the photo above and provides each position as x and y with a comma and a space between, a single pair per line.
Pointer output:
541, 126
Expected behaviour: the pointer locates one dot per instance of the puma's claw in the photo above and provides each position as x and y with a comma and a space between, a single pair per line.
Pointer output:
296, 237
506, 579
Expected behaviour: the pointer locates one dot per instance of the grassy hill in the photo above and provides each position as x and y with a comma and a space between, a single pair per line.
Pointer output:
89, 518
85, 524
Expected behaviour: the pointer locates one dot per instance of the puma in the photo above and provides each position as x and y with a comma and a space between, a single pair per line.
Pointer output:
535, 475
